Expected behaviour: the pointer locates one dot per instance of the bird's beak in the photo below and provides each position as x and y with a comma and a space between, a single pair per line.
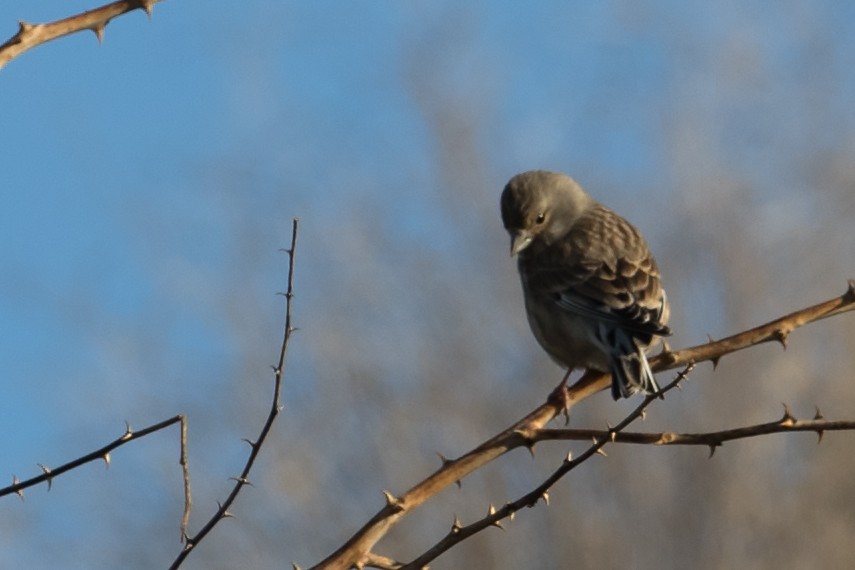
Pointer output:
520, 239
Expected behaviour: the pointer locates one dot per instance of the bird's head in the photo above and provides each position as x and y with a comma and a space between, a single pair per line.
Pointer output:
540, 206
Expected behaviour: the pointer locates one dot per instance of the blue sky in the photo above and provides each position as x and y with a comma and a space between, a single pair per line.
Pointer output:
137, 175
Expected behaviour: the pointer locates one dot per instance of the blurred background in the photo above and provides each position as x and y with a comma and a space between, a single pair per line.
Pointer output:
148, 184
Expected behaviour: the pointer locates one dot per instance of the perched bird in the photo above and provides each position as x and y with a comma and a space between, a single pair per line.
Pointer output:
592, 291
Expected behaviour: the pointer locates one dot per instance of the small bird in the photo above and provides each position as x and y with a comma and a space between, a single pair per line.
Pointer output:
592, 290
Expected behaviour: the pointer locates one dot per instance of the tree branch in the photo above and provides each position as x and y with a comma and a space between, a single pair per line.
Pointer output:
713, 440
459, 533
32, 35
190, 542
103, 453
357, 549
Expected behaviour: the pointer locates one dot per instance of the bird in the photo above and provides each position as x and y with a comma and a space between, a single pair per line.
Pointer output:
592, 290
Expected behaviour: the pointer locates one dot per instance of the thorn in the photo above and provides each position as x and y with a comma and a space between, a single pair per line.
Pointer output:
492, 512
242, 481
445, 463
527, 441
710, 339
819, 433
393, 501
643, 415
128, 432
106, 458
19, 492
715, 360
788, 419
148, 5
612, 432
99, 32
569, 457
512, 516
226, 513
545, 497
295, 566
850, 291
279, 408
24, 27
781, 336
249, 442
46, 471
456, 526
599, 449
713, 447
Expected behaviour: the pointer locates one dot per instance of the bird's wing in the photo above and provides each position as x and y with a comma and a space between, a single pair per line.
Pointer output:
603, 270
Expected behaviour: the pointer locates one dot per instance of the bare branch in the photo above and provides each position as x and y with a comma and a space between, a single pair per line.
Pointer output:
185, 472
190, 542
541, 492
32, 35
524, 432
711, 439
48, 474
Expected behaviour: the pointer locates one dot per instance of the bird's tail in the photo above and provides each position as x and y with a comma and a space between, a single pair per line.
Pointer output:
628, 364
630, 374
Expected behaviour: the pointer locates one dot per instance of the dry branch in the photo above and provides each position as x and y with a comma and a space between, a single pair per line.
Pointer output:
190, 542
103, 454
712, 439
459, 533
357, 551
32, 35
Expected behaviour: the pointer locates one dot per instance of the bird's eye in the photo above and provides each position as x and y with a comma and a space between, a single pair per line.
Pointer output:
540, 218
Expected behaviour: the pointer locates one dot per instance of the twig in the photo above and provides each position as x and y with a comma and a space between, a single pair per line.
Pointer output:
190, 542
522, 433
103, 454
788, 423
32, 35
459, 533
185, 473
713, 439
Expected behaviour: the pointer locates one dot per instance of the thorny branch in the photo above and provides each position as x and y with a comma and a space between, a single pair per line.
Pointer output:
357, 551
103, 454
190, 542
95, 20
459, 533
713, 440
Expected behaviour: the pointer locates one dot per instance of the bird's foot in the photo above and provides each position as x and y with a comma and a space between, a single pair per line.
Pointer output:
560, 398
